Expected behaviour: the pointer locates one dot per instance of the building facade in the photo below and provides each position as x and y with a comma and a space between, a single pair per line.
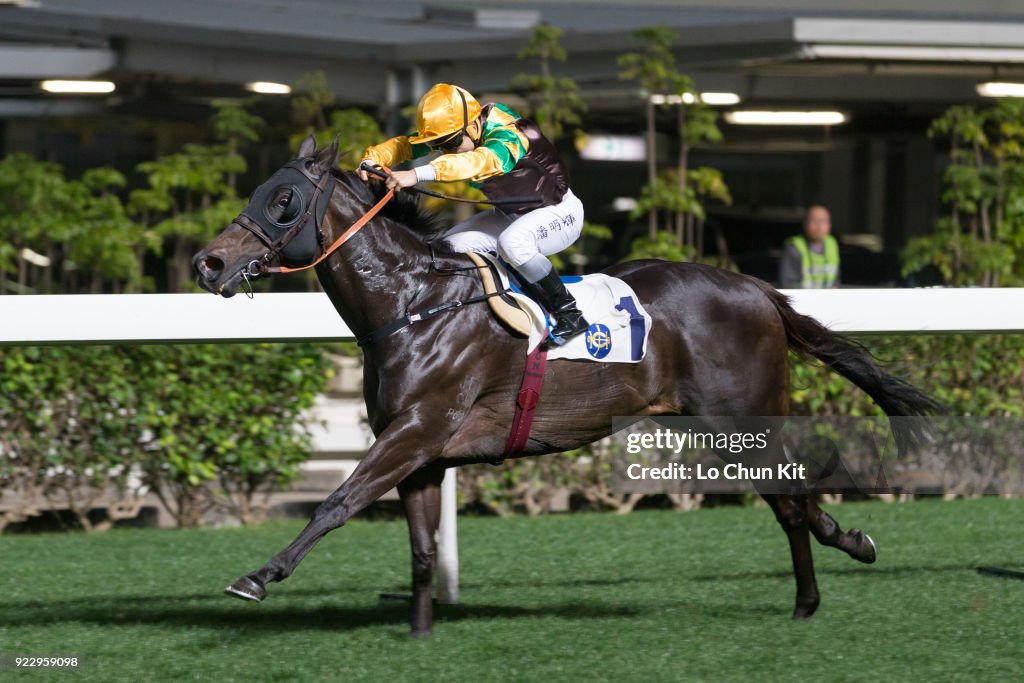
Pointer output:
889, 70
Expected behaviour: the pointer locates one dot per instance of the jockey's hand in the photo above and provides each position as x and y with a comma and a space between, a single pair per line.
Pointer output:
400, 179
361, 171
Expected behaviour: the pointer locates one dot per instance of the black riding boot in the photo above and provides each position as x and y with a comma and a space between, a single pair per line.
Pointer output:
569, 321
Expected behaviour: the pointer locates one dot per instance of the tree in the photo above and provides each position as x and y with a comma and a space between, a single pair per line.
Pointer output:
669, 192
554, 101
696, 124
106, 240
188, 201
555, 104
192, 195
37, 206
312, 114
233, 126
981, 240
655, 72
57, 233
703, 184
311, 110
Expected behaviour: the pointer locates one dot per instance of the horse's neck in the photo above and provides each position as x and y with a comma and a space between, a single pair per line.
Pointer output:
373, 277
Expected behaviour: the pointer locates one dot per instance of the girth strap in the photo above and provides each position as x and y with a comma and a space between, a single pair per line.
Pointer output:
526, 403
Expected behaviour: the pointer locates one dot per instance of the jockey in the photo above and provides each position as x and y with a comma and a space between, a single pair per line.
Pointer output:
505, 156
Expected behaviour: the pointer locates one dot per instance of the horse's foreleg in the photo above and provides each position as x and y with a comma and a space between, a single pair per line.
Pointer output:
400, 451
421, 498
854, 542
791, 513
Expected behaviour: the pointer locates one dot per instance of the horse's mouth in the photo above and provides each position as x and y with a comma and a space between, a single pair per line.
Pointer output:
225, 292
226, 287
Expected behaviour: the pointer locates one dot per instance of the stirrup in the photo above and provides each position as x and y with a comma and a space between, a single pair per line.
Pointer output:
568, 324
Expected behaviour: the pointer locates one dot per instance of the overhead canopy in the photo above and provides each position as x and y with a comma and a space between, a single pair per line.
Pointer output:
389, 52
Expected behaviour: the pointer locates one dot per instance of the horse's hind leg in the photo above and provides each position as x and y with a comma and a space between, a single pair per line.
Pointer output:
854, 542
790, 509
421, 498
791, 513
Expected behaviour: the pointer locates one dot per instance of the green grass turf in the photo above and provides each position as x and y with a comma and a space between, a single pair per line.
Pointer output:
649, 596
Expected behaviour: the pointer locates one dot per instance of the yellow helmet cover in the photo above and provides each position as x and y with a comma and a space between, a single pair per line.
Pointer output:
444, 110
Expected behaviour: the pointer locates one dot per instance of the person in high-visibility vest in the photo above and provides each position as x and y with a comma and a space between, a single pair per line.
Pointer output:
811, 260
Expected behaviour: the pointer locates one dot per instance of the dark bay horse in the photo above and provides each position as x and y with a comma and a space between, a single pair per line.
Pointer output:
441, 393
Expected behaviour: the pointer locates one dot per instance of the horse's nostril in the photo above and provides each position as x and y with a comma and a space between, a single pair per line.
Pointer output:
211, 265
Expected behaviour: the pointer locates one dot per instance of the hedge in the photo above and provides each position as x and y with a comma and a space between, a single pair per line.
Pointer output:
201, 426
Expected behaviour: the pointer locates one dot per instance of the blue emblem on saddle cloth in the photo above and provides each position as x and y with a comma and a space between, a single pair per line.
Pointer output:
599, 340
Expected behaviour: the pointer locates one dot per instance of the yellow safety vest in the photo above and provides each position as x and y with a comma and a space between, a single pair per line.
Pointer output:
820, 270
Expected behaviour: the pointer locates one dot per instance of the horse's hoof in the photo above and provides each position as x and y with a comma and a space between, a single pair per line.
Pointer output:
805, 609
247, 588
865, 551
803, 613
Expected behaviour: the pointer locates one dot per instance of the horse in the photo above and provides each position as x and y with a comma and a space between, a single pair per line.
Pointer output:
441, 393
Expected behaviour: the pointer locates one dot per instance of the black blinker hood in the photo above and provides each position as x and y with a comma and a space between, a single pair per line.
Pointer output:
301, 248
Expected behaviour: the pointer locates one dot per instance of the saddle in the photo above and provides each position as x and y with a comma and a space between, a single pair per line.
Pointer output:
503, 305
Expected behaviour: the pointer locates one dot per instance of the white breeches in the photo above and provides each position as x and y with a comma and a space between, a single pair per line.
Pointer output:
520, 239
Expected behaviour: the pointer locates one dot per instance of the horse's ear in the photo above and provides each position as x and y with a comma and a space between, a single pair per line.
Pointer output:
328, 156
308, 147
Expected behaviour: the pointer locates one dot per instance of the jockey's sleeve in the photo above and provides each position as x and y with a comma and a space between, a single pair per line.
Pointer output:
498, 153
395, 151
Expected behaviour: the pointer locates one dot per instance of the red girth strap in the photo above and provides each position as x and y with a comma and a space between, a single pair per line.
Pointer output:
529, 395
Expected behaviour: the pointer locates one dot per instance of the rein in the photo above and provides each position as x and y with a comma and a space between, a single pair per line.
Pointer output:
410, 318
383, 173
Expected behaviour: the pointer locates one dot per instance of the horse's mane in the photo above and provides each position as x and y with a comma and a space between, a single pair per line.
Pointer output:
403, 208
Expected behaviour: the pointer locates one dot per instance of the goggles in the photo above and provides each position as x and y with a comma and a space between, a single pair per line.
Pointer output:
449, 144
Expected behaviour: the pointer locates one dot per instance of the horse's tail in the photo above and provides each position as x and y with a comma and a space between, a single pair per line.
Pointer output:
898, 398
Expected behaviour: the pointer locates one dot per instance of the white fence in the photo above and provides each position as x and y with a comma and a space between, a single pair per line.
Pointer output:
170, 318
180, 318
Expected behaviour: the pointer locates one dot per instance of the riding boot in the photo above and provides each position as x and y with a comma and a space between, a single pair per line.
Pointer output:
569, 321
530, 289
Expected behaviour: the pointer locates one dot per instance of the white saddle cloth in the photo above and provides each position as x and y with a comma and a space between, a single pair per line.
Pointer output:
619, 325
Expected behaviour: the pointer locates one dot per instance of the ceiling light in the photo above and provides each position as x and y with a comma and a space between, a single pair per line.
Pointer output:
670, 99
995, 89
720, 98
624, 204
713, 98
78, 87
914, 53
268, 88
785, 118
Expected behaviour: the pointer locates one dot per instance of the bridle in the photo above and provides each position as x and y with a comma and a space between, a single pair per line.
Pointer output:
315, 193
323, 187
